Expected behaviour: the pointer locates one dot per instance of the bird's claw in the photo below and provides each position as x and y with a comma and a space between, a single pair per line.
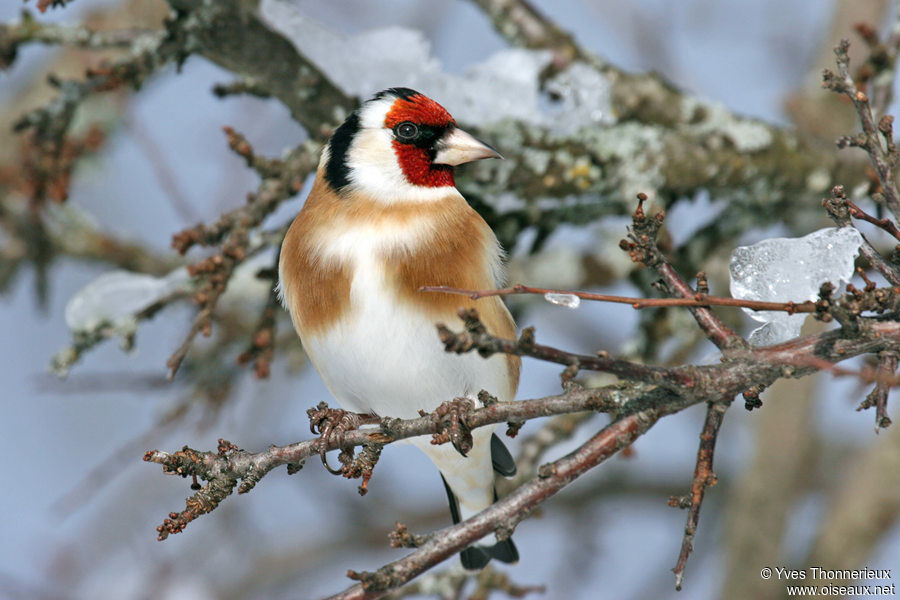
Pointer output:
450, 420
331, 424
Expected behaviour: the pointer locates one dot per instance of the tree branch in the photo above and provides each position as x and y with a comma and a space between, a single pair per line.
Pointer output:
13, 35
878, 397
879, 68
476, 337
877, 139
704, 477
643, 249
223, 469
681, 144
839, 209
234, 37
451, 583
505, 514
533, 447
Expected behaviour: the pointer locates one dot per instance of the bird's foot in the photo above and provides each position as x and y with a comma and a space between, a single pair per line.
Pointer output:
361, 466
450, 421
331, 424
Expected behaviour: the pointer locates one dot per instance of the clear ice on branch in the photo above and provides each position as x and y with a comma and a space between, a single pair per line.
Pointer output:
791, 269
567, 300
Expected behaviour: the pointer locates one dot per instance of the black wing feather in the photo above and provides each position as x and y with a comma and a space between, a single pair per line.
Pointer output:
501, 458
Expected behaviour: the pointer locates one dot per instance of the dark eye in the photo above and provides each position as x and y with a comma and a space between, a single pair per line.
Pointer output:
406, 130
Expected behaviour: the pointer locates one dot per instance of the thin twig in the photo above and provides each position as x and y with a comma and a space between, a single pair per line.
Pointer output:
50, 124
885, 224
878, 376
838, 208
877, 139
281, 180
643, 249
878, 397
879, 69
262, 345
452, 581
704, 477
476, 337
698, 300
533, 447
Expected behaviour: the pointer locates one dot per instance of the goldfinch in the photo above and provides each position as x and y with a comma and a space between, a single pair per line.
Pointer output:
384, 218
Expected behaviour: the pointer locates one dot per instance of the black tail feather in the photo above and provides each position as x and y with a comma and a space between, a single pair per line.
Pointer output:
504, 551
476, 558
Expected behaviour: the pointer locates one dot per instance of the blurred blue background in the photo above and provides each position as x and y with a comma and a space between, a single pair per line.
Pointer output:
80, 507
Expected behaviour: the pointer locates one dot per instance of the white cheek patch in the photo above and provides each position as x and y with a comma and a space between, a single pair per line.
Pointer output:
372, 161
375, 172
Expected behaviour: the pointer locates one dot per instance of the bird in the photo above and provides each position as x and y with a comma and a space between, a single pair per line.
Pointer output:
384, 218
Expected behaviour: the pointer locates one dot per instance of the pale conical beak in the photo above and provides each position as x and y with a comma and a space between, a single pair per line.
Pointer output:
457, 147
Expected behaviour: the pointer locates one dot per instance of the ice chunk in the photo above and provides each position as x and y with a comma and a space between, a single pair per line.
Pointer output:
116, 297
791, 269
567, 300
505, 85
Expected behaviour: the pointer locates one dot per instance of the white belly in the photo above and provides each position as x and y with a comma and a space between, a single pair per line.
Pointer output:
387, 358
